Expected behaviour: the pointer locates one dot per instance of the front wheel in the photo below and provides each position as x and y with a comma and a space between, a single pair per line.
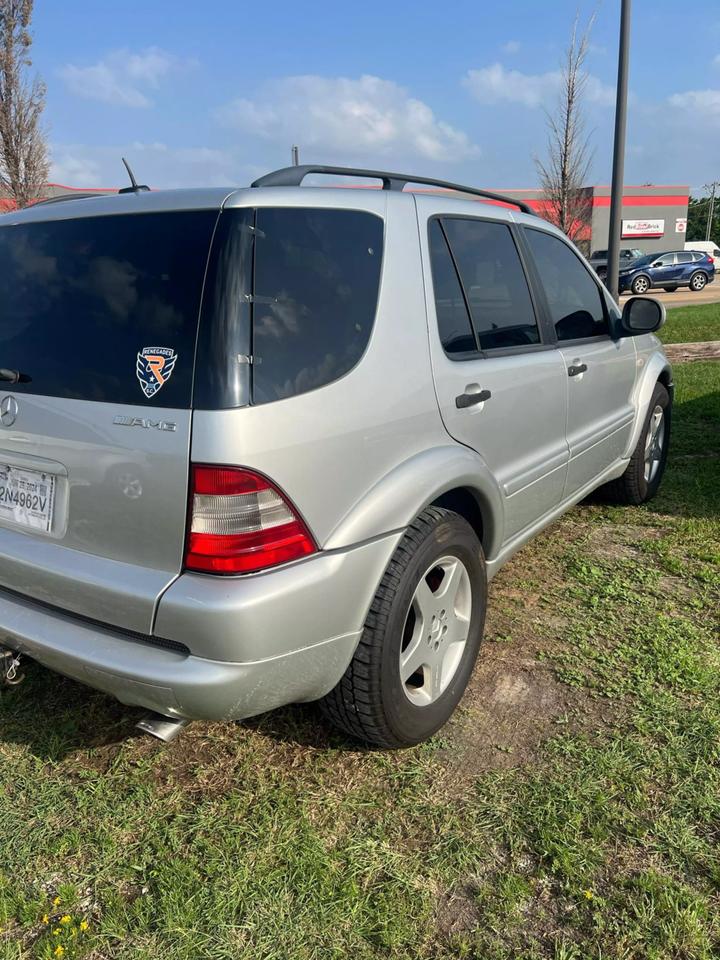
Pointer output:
698, 282
643, 474
421, 637
640, 285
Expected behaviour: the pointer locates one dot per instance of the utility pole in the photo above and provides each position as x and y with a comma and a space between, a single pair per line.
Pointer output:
618, 174
295, 156
711, 187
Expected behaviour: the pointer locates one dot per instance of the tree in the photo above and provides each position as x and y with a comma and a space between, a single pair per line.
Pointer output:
23, 148
565, 170
698, 210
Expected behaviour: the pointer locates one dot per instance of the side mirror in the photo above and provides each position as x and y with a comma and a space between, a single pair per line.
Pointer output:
642, 315
658, 263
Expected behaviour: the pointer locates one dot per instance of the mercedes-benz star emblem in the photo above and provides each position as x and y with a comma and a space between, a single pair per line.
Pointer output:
8, 411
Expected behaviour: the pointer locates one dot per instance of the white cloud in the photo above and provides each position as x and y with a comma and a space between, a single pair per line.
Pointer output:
157, 164
497, 84
361, 116
122, 78
512, 46
706, 102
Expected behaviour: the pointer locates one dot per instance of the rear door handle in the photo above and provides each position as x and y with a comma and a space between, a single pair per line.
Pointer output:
576, 369
473, 394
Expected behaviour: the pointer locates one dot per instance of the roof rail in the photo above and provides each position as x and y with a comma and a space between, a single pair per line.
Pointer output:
294, 176
68, 196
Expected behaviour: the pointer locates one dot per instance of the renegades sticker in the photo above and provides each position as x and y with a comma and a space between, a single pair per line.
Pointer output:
154, 368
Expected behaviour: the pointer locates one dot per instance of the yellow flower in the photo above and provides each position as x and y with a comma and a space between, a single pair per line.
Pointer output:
65, 919
84, 925
59, 950
588, 894
46, 918
56, 931
56, 901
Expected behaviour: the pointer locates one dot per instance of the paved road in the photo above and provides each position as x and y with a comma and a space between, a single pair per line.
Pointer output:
683, 297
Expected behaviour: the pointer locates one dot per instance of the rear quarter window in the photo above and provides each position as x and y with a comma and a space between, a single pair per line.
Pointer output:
317, 274
88, 304
290, 302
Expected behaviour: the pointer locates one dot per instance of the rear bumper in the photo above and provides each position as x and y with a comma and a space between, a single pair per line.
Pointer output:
279, 613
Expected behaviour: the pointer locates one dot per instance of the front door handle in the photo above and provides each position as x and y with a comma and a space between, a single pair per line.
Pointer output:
473, 394
576, 369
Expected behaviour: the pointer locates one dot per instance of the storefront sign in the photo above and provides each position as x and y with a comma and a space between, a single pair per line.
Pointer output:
643, 228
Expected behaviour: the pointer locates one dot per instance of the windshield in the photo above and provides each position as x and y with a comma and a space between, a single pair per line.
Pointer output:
646, 260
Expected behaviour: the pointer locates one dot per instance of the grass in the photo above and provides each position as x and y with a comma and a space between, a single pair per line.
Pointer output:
277, 839
692, 324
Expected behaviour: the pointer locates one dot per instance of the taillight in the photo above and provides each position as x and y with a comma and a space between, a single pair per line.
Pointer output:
240, 522
711, 259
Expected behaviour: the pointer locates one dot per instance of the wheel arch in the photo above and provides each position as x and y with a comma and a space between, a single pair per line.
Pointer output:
451, 476
657, 370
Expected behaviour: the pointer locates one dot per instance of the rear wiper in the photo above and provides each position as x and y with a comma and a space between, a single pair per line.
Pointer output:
14, 376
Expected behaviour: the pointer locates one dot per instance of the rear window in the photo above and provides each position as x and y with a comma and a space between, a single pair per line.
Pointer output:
290, 304
104, 308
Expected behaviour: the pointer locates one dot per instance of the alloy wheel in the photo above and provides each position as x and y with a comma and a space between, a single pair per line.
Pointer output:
654, 443
436, 631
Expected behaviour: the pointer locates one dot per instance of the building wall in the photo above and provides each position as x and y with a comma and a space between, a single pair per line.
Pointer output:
668, 204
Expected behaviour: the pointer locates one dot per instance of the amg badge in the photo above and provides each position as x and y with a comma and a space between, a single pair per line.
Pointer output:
146, 423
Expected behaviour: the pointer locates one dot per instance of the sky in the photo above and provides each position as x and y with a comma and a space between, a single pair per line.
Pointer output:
216, 93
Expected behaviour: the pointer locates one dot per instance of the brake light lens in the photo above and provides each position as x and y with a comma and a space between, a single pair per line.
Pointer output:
240, 523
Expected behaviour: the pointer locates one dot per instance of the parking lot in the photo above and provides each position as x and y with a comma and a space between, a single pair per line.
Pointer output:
683, 297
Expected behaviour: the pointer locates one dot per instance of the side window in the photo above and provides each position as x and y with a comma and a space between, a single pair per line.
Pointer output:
494, 283
684, 257
576, 304
453, 320
667, 261
315, 293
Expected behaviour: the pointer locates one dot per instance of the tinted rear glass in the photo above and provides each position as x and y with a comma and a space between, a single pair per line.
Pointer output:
104, 308
290, 305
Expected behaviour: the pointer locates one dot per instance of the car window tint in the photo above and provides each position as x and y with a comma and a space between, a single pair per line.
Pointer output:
575, 301
684, 257
453, 320
494, 283
104, 308
317, 276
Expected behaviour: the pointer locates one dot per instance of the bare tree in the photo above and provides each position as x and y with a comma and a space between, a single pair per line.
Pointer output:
23, 148
563, 173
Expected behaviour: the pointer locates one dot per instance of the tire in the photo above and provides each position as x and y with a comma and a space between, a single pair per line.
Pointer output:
377, 699
640, 483
698, 281
640, 285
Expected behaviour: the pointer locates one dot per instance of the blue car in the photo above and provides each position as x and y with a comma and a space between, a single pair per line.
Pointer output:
684, 268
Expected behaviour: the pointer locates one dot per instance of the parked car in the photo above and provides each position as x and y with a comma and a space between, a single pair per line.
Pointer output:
706, 246
599, 259
269, 445
685, 268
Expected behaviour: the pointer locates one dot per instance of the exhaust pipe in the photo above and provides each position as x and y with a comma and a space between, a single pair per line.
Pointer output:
163, 728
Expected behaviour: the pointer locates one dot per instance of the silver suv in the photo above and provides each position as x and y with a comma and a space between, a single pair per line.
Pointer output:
268, 445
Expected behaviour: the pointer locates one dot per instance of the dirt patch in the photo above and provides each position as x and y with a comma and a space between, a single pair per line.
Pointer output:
687, 352
620, 541
457, 912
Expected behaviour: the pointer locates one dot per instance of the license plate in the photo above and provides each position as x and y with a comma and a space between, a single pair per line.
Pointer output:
27, 497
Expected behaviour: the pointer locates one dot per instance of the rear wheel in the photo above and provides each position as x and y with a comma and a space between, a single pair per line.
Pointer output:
643, 475
698, 281
640, 285
421, 637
